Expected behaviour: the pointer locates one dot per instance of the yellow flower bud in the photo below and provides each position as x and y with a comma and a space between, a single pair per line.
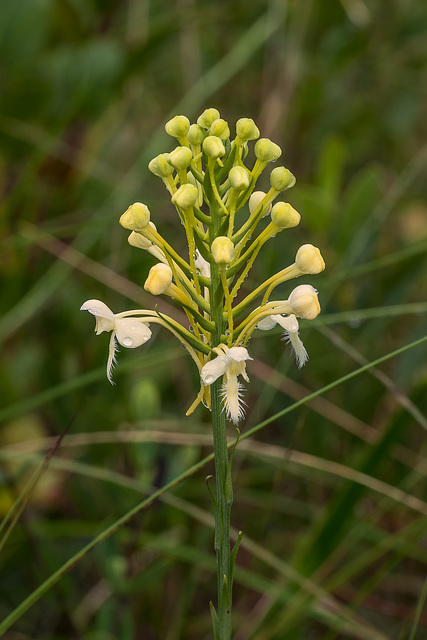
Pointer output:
136, 217
213, 147
177, 127
160, 166
266, 150
192, 180
208, 117
255, 200
223, 251
159, 279
284, 216
180, 158
281, 179
186, 196
196, 134
309, 259
304, 302
239, 178
246, 129
220, 129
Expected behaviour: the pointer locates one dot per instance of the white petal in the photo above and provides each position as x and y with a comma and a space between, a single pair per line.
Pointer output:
289, 323
105, 319
268, 323
295, 341
213, 369
239, 354
202, 265
132, 333
111, 357
232, 392
97, 308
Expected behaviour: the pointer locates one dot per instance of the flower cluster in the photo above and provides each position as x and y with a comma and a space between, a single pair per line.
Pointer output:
215, 198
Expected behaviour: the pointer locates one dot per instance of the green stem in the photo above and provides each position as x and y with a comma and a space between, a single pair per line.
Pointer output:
224, 496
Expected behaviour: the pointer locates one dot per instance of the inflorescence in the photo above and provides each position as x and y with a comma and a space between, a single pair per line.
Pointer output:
209, 185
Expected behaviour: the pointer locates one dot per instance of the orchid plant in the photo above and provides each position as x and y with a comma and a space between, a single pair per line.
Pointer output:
214, 194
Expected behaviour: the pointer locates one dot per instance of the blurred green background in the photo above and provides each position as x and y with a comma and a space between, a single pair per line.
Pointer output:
339, 493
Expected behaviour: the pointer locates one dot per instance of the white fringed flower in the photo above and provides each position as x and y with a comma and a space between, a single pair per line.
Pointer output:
230, 365
291, 335
129, 332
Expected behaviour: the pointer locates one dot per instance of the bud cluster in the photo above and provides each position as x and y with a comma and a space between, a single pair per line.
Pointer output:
216, 199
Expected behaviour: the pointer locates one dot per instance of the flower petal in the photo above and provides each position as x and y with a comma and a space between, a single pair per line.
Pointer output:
105, 319
288, 323
131, 332
213, 369
239, 354
265, 324
97, 308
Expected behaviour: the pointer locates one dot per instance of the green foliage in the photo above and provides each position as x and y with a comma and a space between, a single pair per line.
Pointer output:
331, 495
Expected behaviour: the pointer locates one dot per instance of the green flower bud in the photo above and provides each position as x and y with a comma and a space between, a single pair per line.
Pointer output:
266, 150
213, 147
159, 279
246, 129
304, 302
281, 179
309, 259
186, 196
196, 134
208, 117
220, 128
239, 178
255, 200
177, 127
160, 166
192, 180
180, 158
136, 217
223, 251
284, 216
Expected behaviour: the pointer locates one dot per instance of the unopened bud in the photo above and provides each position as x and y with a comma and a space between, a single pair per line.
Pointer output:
246, 129
223, 251
208, 117
309, 259
239, 178
159, 279
255, 200
281, 179
192, 180
186, 196
284, 216
177, 127
266, 150
213, 147
160, 166
219, 128
136, 217
180, 158
304, 302
196, 134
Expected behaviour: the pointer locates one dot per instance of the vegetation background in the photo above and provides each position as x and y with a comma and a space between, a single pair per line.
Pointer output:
331, 497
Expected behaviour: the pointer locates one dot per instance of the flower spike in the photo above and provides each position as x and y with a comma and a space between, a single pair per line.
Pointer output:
214, 191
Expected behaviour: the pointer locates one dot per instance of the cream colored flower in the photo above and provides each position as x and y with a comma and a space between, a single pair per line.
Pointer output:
230, 365
291, 335
129, 332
